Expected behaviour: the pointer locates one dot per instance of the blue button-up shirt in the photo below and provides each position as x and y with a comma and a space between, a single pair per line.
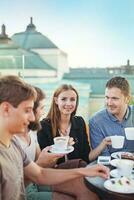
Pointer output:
104, 124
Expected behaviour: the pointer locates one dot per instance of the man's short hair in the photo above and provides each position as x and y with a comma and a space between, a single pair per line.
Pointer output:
14, 90
121, 83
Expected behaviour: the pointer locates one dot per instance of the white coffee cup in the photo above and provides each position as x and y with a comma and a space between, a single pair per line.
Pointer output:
61, 143
129, 132
125, 167
117, 141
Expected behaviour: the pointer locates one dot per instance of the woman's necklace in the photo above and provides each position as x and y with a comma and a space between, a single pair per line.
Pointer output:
65, 132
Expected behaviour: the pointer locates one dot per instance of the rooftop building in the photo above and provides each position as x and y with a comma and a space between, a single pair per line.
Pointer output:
14, 59
35, 41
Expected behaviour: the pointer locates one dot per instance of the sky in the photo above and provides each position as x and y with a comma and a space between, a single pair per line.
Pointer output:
94, 33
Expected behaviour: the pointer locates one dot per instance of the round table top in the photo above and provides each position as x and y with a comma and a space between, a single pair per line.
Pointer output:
96, 184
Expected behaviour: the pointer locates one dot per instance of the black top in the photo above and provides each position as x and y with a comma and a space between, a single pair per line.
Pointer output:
78, 132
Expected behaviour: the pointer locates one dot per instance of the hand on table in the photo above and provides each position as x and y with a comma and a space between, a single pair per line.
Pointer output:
97, 170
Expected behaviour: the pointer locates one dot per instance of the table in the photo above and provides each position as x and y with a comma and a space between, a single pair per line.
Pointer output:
96, 184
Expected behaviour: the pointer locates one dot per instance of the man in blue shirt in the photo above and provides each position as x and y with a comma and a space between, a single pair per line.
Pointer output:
115, 117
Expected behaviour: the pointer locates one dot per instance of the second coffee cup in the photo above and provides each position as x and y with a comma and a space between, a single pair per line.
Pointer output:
117, 141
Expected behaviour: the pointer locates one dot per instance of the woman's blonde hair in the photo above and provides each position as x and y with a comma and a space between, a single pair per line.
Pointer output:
54, 113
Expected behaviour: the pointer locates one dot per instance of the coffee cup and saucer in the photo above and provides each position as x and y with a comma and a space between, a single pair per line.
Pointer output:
124, 168
61, 145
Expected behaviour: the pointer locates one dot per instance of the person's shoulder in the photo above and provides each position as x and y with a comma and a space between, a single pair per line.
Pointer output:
20, 151
46, 128
45, 122
78, 119
98, 115
16, 142
33, 135
131, 111
131, 107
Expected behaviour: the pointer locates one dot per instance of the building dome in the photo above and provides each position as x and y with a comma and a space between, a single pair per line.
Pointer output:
32, 39
11, 55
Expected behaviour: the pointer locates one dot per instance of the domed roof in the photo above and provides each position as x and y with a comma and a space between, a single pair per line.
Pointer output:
11, 56
32, 39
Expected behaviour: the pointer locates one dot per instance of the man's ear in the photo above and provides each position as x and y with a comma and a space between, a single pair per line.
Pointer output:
5, 108
128, 99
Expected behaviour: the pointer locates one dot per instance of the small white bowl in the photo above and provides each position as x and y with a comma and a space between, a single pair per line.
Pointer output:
129, 131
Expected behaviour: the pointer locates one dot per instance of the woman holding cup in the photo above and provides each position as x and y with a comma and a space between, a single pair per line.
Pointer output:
62, 121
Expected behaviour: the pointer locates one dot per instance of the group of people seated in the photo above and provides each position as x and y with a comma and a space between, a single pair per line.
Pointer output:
25, 141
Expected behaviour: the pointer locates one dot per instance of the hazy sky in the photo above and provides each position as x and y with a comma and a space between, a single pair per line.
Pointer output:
92, 32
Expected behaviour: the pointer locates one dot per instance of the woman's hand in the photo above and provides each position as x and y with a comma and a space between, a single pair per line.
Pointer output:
47, 159
71, 141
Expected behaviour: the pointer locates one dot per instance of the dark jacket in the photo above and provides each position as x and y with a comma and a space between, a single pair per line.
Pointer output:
78, 132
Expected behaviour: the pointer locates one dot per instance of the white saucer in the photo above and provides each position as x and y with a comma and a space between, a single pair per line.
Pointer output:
64, 151
114, 162
115, 173
118, 154
120, 188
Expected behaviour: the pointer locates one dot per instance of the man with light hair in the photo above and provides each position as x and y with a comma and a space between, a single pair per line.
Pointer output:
16, 112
